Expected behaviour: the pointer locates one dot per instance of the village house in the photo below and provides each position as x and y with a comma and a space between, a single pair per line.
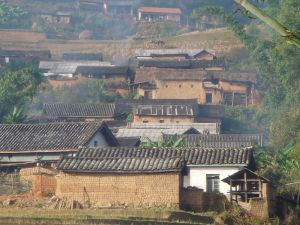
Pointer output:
82, 112
218, 140
10, 56
159, 14
22, 144
179, 59
129, 176
176, 111
209, 87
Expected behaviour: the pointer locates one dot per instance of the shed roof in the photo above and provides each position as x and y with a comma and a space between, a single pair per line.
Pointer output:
159, 10
80, 110
102, 70
240, 176
193, 156
120, 165
50, 137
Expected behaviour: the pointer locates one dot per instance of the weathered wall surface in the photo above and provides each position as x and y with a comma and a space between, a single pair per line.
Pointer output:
134, 190
162, 119
29, 173
44, 184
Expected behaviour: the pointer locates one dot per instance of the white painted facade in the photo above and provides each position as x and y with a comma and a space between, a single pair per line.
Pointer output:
98, 140
197, 176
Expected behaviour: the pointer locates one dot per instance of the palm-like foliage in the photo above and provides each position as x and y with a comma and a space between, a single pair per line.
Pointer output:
15, 116
175, 142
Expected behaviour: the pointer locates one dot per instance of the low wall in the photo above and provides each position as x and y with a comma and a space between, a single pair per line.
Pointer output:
28, 173
132, 190
44, 184
195, 199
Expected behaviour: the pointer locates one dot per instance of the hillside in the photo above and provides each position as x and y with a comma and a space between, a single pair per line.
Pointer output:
221, 40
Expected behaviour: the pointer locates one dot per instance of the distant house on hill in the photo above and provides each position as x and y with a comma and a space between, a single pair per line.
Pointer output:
154, 13
209, 87
10, 56
82, 112
22, 144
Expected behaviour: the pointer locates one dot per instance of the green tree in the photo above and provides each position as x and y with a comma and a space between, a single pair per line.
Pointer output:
17, 86
176, 142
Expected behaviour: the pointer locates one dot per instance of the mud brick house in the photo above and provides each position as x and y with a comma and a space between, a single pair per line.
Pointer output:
82, 112
27, 143
157, 14
77, 56
122, 175
218, 140
10, 56
209, 87
176, 111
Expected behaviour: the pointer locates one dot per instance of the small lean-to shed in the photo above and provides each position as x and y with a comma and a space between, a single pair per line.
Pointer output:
127, 181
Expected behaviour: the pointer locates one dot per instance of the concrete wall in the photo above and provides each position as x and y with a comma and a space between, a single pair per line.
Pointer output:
197, 177
134, 190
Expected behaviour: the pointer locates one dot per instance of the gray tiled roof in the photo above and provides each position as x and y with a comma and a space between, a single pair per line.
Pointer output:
147, 133
80, 110
213, 128
189, 52
48, 136
219, 140
193, 156
120, 165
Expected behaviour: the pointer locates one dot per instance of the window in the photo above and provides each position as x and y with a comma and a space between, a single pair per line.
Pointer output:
145, 121
179, 85
161, 121
212, 182
166, 86
208, 98
95, 143
192, 85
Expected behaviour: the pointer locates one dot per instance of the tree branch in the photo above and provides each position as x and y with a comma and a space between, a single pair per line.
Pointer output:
278, 27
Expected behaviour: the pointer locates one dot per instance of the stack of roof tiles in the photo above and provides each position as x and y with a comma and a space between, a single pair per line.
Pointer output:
127, 159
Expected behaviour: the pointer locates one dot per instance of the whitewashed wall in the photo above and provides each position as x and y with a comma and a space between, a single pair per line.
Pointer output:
100, 139
197, 176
